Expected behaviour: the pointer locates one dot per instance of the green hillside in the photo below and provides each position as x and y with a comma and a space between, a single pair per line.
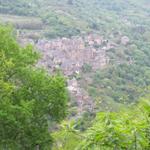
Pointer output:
120, 81
33, 103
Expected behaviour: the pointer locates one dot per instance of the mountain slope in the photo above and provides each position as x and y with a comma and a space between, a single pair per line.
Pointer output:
125, 23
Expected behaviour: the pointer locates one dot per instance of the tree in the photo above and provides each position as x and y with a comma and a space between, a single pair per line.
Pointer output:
29, 97
127, 129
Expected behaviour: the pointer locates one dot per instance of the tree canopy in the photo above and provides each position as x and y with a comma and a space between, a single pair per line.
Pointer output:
127, 129
29, 97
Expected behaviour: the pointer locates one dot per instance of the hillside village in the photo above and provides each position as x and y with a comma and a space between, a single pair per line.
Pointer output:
70, 56
74, 74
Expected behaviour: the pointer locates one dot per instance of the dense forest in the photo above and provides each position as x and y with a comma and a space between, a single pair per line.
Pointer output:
37, 111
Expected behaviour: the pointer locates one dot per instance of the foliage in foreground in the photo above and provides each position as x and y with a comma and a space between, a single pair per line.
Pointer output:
29, 97
128, 129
